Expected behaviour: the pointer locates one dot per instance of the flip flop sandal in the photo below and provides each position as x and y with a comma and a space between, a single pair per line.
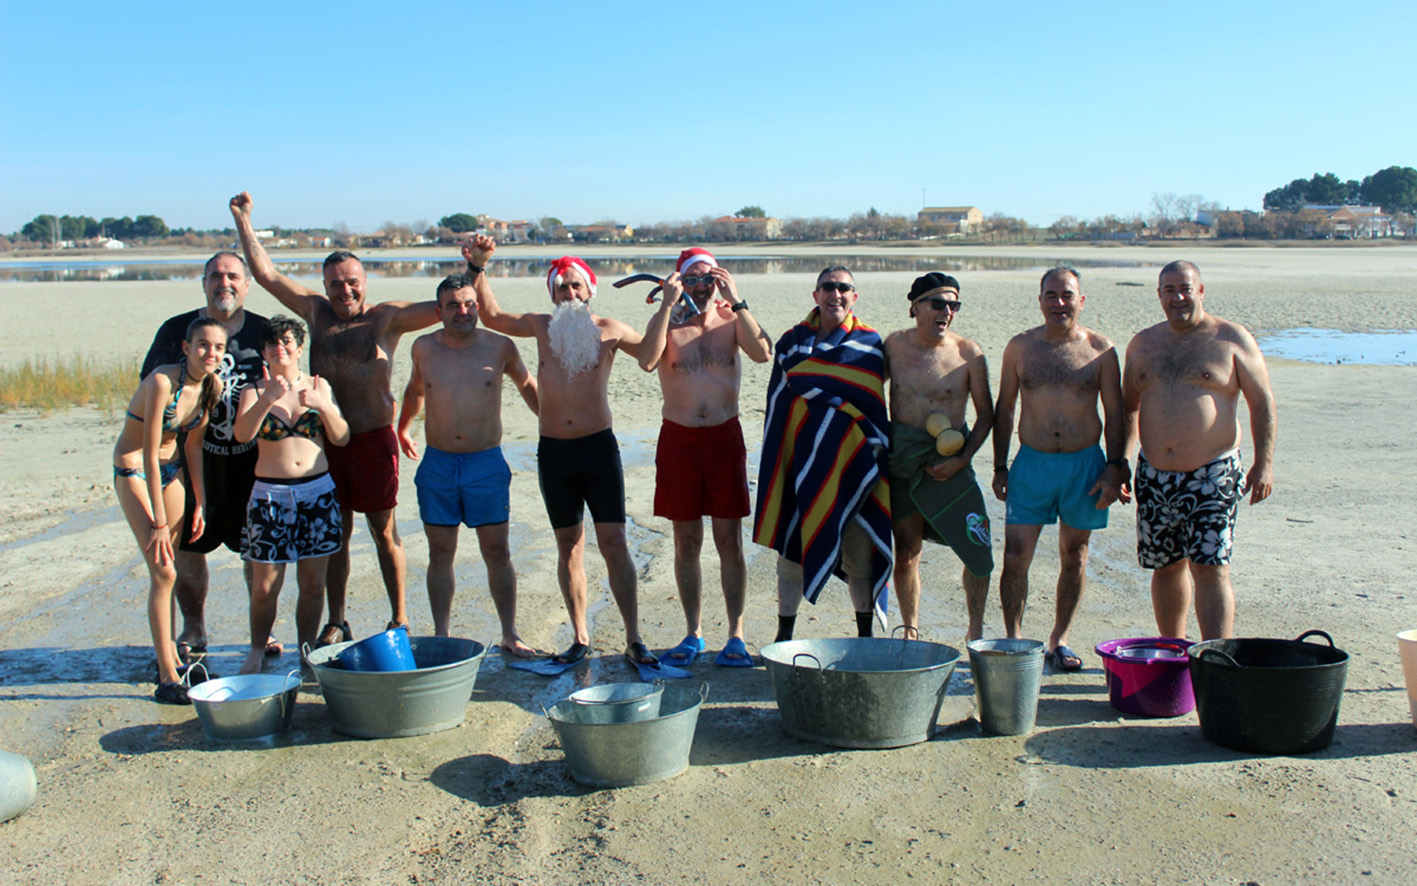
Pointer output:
333, 633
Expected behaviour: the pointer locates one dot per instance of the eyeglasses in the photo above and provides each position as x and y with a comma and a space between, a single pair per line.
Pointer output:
940, 304
833, 286
691, 282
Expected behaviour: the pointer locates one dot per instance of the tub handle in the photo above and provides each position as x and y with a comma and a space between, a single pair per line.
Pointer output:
1223, 656
187, 676
806, 655
703, 692
1315, 633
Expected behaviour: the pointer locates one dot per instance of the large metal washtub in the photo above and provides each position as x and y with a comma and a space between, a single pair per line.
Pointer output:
860, 692
394, 704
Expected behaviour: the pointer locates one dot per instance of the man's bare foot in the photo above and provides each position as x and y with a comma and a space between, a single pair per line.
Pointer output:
255, 659
516, 647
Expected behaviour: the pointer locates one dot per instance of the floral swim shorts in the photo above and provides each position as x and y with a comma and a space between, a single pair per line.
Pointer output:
1188, 514
290, 520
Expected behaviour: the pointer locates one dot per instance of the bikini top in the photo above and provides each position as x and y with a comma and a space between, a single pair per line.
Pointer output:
169, 414
308, 425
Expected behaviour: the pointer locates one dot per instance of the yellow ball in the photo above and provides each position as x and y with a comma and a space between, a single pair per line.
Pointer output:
949, 442
936, 423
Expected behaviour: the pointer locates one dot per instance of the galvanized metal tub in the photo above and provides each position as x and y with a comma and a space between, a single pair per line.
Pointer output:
619, 702
613, 755
394, 704
1008, 676
860, 692
245, 706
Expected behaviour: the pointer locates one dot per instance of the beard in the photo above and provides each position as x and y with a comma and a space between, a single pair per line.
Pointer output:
574, 337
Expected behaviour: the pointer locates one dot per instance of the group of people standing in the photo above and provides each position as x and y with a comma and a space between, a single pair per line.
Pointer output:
276, 461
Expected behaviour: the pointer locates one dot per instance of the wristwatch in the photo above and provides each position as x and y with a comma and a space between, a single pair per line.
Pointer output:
474, 269
741, 306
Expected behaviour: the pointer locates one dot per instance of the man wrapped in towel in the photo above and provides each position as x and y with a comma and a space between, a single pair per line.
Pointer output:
823, 493
935, 374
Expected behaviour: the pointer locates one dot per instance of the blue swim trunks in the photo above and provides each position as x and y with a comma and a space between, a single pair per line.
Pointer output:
471, 488
1047, 486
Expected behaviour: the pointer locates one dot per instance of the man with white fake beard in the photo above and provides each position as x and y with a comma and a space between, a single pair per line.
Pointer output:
578, 458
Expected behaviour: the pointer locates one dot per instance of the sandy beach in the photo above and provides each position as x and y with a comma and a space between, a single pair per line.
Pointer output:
134, 792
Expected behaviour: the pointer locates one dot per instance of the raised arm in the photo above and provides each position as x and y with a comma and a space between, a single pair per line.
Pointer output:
412, 404
477, 251
1115, 482
751, 338
289, 293
1254, 384
1004, 417
522, 378
321, 398
656, 337
627, 339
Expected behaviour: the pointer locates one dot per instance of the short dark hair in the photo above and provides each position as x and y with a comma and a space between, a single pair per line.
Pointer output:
835, 269
452, 283
1055, 271
338, 256
207, 268
1177, 266
276, 328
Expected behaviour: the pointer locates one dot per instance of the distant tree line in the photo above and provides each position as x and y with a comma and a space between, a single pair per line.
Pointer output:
49, 228
1394, 189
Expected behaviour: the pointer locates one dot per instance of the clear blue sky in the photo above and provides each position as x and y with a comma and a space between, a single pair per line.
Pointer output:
361, 113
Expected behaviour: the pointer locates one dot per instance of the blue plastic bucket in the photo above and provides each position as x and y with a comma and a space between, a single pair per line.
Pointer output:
389, 651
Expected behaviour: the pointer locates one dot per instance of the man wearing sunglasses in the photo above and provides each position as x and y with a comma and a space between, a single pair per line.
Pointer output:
823, 493
935, 372
1058, 372
701, 462
1182, 387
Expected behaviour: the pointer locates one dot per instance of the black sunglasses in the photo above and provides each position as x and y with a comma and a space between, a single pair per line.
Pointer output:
691, 282
940, 304
833, 286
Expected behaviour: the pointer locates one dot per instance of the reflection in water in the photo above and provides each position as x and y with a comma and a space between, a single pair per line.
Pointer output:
610, 267
1396, 347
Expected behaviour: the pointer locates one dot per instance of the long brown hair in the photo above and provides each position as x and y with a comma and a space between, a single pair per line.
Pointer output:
211, 382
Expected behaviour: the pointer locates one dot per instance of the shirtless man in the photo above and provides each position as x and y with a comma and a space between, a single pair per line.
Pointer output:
352, 346
1058, 371
228, 467
578, 458
1182, 386
701, 465
463, 478
936, 371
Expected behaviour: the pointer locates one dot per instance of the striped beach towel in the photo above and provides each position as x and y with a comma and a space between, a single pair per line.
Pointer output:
825, 453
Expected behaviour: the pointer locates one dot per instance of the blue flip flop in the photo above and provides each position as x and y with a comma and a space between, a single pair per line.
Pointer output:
734, 654
684, 654
543, 666
556, 664
650, 668
661, 671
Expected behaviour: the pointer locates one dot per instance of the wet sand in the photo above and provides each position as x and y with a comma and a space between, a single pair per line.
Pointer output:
134, 792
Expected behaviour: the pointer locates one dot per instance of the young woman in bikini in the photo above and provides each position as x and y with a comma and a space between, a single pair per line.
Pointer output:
147, 477
293, 515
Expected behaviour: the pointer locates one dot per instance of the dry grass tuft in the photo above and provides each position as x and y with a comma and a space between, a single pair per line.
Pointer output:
77, 381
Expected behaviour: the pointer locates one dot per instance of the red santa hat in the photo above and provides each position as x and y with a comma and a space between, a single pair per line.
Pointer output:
690, 257
565, 263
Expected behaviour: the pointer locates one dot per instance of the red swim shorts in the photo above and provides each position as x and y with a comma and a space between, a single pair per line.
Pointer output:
366, 471
701, 472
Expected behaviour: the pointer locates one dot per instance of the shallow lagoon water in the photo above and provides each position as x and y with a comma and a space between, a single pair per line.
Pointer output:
1395, 347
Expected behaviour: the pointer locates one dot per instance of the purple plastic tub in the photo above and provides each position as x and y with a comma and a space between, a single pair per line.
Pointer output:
1148, 676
